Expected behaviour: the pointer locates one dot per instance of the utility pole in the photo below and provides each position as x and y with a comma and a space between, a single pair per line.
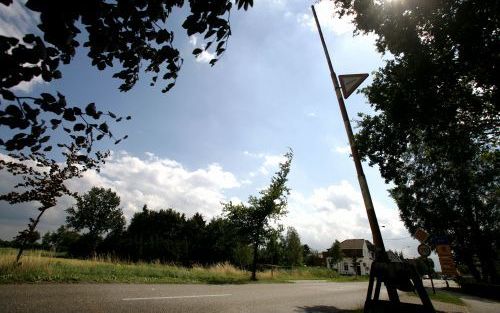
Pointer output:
395, 275
380, 254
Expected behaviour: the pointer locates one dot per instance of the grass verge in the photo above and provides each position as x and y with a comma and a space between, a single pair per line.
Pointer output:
441, 296
42, 266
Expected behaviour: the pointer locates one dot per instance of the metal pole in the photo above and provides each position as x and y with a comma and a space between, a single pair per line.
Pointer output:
380, 254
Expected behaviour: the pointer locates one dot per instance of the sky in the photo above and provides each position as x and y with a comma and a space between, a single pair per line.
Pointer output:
221, 132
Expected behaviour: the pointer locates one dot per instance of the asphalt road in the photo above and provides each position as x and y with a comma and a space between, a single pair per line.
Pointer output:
299, 297
307, 297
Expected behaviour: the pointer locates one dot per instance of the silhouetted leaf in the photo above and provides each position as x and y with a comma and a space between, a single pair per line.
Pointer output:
7, 95
79, 127
48, 97
80, 140
44, 139
104, 127
90, 109
69, 115
55, 122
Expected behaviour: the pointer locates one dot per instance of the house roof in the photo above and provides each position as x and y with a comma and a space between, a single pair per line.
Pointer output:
355, 244
354, 247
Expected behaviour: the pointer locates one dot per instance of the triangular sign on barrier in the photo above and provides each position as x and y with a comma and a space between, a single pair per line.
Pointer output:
350, 82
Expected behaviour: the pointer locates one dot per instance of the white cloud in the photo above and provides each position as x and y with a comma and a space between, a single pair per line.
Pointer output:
16, 20
269, 164
329, 22
204, 56
312, 114
337, 212
193, 39
158, 182
327, 213
343, 149
28, 86
254, 155
163, 183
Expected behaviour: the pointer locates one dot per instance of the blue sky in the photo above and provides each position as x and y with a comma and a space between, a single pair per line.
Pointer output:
219, 133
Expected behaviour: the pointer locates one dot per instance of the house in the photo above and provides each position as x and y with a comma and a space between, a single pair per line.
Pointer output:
358, 256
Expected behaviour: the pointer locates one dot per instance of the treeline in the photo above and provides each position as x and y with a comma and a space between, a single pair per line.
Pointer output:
244, 235
96, 226
169, 236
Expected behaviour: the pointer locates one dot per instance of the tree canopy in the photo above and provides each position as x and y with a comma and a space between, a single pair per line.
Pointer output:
255, 219
293, 248
141, 40
435, 134
335, 252
97, 212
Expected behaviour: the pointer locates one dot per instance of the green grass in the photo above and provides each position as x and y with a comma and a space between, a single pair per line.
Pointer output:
441, 296
43, 266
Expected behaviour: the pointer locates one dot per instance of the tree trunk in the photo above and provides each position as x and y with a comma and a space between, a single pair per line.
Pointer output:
31, 228
487, 263
21, 249
254, 262
469, 262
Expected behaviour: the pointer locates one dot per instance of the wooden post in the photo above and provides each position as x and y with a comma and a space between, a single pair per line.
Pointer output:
380, 254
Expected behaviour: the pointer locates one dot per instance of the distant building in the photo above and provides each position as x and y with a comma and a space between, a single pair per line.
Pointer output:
360, 250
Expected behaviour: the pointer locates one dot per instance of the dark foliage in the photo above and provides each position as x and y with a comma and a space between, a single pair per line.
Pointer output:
140, 40
436, 131
167, 236
97, 212
61, 240
254, 220
156, 235
28, 239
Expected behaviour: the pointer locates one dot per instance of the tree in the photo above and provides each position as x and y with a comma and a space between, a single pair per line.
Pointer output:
157, 235
254, 220
436, 131
224, 242
306, 251
335, 252
195, 239
425, 266
43, 183
355, 263
38, 123
274, 250
98, 212
62, 240
242, 255
141, 39
293, 247
27, 239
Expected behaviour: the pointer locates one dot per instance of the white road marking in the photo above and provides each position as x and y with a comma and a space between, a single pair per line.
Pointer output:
178, 297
